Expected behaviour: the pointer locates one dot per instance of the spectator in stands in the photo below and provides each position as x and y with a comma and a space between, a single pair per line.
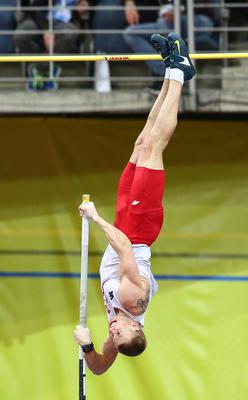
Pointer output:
62, 19
140, 43
236, 16
111, 19
7, 23
118, 19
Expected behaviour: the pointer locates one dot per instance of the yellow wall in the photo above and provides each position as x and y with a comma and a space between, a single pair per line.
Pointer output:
197, 329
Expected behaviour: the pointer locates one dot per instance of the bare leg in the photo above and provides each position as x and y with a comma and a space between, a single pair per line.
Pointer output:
153, 145
127, 176
149, 122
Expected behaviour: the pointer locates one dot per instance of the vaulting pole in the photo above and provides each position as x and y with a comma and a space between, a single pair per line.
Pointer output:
83, 297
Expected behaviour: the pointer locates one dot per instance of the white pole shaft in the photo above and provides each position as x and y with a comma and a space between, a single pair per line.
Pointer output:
84, 271
83, 296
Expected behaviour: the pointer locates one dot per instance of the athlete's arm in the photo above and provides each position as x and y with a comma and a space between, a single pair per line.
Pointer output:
98, 363
119, 241
133, 289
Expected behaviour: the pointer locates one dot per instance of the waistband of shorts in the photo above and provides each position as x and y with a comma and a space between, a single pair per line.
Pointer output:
159, 171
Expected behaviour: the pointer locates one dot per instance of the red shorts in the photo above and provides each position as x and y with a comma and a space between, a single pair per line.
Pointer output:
139, 210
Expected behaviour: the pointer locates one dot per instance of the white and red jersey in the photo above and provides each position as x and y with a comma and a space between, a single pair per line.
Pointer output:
110, 281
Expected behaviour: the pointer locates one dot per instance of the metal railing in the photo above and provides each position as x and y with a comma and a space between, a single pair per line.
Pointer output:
223, 30
192, 30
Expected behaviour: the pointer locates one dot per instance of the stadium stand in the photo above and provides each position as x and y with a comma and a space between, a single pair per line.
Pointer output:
110, 26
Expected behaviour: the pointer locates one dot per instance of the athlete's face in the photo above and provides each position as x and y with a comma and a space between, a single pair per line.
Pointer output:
121, 330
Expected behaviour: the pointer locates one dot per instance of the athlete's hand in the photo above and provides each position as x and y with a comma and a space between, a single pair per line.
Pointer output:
88, 210
82, 335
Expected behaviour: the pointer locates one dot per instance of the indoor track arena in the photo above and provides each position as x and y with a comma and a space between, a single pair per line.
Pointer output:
65, 142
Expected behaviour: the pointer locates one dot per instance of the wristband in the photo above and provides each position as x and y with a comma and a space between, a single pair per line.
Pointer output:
87, 348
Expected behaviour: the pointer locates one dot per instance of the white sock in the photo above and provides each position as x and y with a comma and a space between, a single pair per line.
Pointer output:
177, 75
167, 73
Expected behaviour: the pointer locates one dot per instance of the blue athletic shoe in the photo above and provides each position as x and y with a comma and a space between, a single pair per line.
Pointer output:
162, 47
179, 56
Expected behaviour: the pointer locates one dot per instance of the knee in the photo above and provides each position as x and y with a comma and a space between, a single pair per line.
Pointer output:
162, 132
19, 39
128, 34
163, 128
139, 144
203, 21
146, 148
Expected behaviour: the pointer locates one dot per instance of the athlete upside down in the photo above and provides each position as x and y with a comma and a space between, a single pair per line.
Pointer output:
127, 282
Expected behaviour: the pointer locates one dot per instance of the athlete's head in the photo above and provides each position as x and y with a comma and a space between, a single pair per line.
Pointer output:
127, 335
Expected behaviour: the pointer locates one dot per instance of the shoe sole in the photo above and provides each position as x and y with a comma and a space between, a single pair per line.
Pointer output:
158, 49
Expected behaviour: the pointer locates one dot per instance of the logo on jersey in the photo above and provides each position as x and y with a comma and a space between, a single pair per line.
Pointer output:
135, 203
111, 295
106, 303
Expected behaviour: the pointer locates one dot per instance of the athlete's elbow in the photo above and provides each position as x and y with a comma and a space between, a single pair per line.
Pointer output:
95, 370
99, 371
125, 244
122, 245
98, 368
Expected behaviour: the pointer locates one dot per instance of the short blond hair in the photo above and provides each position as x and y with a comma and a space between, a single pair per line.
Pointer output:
135, 346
